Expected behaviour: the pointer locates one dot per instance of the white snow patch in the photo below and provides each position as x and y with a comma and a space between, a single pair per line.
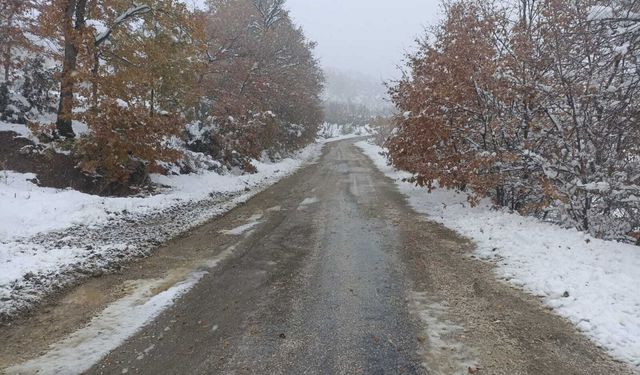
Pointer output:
97, 25
242, 229
82, 349
600, 277
145, 352
600, 12
21, 130
252, 222
307, 202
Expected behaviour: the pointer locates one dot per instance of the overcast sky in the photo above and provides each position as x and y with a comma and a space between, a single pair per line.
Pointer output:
368, 36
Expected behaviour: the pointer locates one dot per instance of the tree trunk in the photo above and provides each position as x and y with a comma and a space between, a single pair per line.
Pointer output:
500, 196
7, 63
152, 108
75, 8
7, 53
585, 212
95, 71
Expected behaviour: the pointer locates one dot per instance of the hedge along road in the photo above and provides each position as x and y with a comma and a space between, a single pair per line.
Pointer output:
327, 272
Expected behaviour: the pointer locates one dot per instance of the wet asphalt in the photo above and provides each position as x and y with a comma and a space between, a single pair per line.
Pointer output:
319, 287
337, 275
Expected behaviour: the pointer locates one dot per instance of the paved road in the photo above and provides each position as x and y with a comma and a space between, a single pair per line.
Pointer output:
330, 272
319, 287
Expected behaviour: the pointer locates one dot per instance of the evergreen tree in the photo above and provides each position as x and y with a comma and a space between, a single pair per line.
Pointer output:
4, 99
38, 82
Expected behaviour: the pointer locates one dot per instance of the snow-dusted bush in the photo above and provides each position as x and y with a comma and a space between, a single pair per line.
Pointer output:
539, 112
134, 74
38, 83
126, 141
235, 142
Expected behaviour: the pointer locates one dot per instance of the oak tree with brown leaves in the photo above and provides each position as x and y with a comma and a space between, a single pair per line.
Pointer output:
533, 103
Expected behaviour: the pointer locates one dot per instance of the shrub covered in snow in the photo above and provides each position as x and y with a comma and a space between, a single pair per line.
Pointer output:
134, 74
540, 113
126, 142
29, 92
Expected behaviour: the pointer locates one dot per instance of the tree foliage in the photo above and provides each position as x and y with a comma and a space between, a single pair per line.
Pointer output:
142, 75
16, 23
531, 102
260, 75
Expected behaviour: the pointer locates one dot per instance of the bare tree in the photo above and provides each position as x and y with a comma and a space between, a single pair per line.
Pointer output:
270, 12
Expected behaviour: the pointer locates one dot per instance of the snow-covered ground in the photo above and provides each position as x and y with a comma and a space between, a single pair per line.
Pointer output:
29, 209
591, 282
344, 131
50, 237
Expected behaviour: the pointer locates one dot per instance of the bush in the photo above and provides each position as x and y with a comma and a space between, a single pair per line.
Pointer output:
236, 141
126, 142
541, 117
37, 85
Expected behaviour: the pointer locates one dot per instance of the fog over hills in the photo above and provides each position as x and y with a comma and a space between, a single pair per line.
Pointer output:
356, 88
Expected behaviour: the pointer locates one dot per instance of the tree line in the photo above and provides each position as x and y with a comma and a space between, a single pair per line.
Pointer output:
155, 81
534, 103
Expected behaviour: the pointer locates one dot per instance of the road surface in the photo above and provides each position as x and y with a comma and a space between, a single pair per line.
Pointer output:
330, 272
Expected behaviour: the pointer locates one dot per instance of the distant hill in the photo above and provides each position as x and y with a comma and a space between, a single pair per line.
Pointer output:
356, 88
354, 98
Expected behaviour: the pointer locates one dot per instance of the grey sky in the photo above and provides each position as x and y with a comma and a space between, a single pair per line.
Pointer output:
368, 36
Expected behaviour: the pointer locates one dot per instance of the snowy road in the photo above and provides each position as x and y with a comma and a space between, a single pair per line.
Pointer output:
327, 272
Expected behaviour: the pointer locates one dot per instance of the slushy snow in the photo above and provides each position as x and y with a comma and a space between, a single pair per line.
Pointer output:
253, 222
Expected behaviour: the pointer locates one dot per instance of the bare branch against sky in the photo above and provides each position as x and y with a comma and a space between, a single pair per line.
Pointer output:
366, 36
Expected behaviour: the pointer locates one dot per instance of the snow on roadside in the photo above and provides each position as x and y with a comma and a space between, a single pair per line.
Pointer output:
49, 238
81, 350
591, 282
344, 131
28, 209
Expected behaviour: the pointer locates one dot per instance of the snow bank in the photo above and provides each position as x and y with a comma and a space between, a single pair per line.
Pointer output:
50, 237
28, 209
344, 131
591, 282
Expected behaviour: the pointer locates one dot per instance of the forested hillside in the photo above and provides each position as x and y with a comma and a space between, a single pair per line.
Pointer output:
534, 103
127, 88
